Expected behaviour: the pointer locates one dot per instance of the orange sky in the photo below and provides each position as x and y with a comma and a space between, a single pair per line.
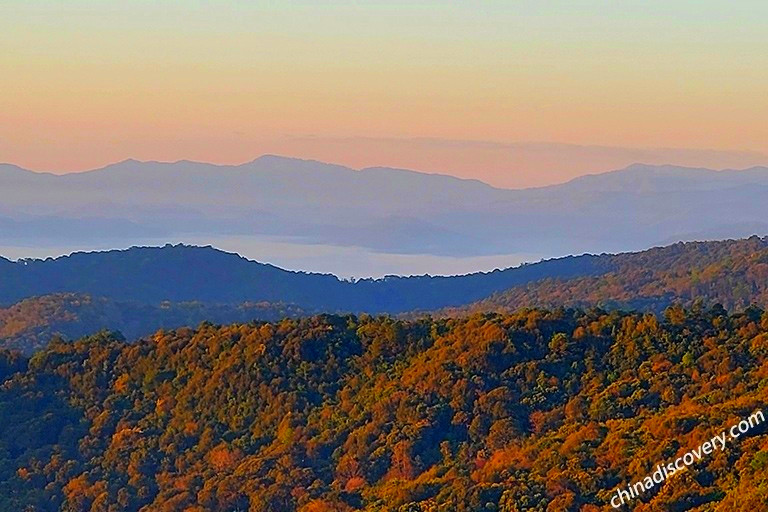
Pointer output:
86, 83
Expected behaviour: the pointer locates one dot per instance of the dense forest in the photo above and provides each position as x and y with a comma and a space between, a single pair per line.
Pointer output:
29, 325
536, 410
732, 273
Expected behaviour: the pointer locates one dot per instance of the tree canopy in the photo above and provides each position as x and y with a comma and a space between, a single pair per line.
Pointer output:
536, 410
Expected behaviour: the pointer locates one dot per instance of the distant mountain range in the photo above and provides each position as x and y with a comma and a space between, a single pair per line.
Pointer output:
142, 289
381, 209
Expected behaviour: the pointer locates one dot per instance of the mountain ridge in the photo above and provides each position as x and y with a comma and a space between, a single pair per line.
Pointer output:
378, 210
172, 285
731, 273
637, 167
183, 272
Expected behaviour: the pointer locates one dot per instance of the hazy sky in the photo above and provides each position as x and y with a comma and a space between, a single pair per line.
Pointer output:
460, 87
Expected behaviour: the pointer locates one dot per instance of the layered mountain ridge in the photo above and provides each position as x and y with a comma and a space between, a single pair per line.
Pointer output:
380, 209
142, 289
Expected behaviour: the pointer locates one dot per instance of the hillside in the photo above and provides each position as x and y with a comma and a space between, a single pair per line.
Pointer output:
141, 290
732, 273
531, 411
183, 273
29, 325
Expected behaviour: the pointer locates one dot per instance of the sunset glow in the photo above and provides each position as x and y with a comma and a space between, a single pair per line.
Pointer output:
89, 83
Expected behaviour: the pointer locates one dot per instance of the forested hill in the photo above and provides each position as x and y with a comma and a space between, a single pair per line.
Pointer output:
182, 273
141, 290
30, 324
531, 411
732, 273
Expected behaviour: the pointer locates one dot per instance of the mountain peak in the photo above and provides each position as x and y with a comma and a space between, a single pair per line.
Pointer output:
128, 162
16, 173
630, 175
287, 160
662, 168
11, 168
279, 163
270, 157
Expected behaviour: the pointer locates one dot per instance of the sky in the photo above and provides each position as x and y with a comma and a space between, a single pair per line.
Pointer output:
516, 93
